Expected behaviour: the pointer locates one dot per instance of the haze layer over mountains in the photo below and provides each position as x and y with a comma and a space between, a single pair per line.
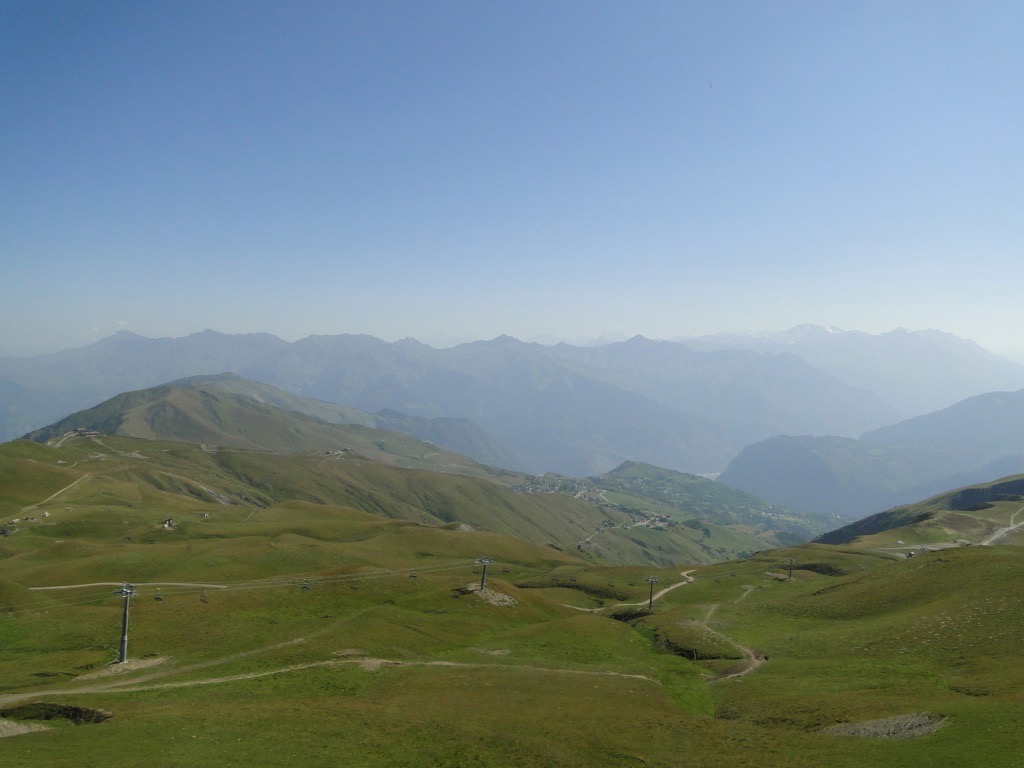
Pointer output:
693, 405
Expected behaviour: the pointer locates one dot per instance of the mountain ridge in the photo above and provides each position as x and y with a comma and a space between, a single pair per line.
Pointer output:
969, 442
917, 372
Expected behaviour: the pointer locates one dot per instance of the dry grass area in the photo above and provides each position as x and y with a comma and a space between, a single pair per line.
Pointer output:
898, 727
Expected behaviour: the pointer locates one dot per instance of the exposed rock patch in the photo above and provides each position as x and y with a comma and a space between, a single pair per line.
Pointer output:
898, 727
492, 597
13, 728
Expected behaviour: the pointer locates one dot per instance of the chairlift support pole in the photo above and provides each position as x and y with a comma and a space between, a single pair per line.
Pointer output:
484, 561
650, 603
127, 591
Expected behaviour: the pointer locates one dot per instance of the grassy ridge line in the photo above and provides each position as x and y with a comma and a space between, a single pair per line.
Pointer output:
132, 477
969, 515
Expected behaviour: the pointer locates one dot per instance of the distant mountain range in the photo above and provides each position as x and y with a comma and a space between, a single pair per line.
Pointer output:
978, 439
915, 372
572, 410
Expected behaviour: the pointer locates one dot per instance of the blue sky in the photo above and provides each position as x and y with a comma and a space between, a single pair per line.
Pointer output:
458, 170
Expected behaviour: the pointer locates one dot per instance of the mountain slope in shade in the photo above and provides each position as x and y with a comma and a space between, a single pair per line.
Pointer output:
576, 411
978, 514
554, 416
970, 442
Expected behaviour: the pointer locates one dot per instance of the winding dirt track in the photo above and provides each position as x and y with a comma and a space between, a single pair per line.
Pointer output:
752, 660
687, 579
906, 550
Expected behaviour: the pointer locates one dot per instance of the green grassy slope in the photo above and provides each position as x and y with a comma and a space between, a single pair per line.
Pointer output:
137, 483
229, 412
963, 516
207, 411
390, 657
459, 435
685, 496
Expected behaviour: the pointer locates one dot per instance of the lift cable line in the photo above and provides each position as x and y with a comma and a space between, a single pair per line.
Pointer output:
274, 583
127, 591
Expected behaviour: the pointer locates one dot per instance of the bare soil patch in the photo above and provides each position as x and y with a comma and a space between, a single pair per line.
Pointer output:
121, 669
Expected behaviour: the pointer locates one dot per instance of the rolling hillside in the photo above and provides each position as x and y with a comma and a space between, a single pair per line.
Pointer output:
976, 440
301, 606
301, 633
977, 514
231, 411
378, 476
645, 489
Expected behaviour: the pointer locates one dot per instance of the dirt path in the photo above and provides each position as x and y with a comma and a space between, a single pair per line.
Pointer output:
687, 579
1001, 532
58, 493
587, 540
122, 684
906, 550
114, 680
370, 664
751, 659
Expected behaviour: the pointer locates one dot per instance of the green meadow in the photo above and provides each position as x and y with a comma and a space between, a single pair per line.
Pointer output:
294, 631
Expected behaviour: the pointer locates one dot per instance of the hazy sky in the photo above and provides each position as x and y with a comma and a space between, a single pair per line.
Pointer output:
459, 170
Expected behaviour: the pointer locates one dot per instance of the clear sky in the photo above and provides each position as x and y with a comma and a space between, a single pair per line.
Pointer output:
458, 170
